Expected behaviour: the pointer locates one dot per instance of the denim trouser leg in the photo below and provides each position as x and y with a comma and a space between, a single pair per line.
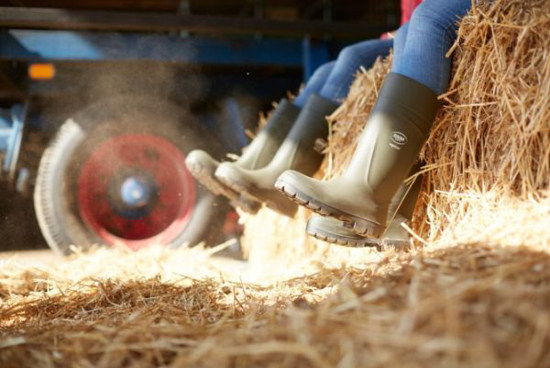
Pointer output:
350, 59
314, 84
428, 36
399, 46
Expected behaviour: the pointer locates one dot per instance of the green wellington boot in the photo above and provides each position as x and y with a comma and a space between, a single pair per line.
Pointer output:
395, 132
258, 154
335, 231
297, 152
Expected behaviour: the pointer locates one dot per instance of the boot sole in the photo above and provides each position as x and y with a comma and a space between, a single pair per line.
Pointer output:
203, 176
346, 242
339, 240
252, 193
402, 245
360, 226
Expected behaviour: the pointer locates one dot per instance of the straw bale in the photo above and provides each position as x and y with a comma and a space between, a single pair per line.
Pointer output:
474, 292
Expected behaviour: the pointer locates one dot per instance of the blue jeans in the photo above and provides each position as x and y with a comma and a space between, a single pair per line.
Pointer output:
315, 83
333, 80
420, 45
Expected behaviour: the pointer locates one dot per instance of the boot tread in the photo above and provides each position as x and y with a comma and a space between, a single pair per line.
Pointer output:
362, 227
333, 239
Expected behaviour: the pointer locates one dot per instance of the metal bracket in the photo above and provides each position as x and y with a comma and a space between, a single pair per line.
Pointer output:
11, 135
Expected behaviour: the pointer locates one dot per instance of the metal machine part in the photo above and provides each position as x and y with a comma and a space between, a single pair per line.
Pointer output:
133, 187
117, 177
12, 122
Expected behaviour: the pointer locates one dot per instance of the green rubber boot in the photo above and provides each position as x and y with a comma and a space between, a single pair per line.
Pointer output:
258, 154
335, 231
396, 130
297, 152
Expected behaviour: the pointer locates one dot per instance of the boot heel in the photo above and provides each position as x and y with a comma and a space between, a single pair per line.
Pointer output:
366, 228
333, 231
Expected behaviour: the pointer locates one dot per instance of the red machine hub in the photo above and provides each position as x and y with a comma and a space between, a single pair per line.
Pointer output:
134, 189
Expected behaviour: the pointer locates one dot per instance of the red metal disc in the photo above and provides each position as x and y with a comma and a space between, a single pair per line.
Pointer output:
161, 161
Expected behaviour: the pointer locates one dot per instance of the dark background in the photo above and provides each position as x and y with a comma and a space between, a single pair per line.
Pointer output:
379, 12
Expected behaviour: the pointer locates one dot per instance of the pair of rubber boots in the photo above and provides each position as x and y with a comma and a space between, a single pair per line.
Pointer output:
366, 194
286, 142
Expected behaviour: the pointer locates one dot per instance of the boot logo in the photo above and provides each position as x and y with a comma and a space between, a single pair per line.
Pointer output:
398, 139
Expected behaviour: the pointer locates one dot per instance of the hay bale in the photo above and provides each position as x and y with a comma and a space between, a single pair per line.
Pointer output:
491, 142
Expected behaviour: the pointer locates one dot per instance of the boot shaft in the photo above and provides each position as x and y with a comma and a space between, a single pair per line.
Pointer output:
396, 130
264, 146
298, 149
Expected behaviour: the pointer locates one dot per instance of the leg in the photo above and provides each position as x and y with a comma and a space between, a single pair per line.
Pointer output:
314, 84
350, 59
431, 33
399, 45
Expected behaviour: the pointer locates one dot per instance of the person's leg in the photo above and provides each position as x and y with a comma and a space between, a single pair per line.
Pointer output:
399, 45
431, 33
314, 84
350, 59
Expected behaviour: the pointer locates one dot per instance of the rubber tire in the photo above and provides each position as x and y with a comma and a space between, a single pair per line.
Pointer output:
55, 195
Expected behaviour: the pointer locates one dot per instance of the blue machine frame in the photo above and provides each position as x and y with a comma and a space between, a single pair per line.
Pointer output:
36, 45
57, 46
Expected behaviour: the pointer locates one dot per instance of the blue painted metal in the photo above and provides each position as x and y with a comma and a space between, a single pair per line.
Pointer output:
315, 54
36, 45
11, 133
65, 45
